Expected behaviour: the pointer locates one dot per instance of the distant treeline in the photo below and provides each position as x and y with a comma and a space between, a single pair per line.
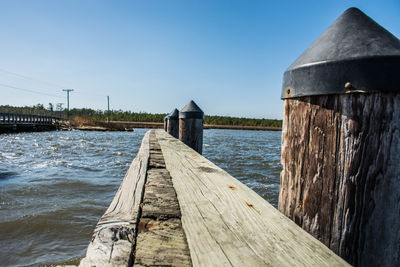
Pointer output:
120, 115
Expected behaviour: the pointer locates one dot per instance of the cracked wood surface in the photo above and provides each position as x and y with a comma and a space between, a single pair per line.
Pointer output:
228, 224
340, 178
161, 240
115, 234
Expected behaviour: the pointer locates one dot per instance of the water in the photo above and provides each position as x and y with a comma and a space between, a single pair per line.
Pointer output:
54, 186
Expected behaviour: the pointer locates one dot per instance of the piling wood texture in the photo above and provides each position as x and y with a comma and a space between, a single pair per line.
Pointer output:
341, 142
228, 224
340, 178
191, 120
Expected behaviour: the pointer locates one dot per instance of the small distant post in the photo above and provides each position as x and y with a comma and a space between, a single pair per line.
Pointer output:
191, 119
341, 143
173, 123
108, 109
165, 122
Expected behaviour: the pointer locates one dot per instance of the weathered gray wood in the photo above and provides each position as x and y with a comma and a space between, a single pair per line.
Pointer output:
228, 224
173, 127
341, 169
191, 133
115, 233
160, 202
161, 243
191, 120
160, 240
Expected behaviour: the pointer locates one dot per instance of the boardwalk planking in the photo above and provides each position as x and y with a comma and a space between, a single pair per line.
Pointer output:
160, 240
228, 224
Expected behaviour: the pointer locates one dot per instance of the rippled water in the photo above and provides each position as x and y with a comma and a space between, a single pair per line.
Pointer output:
54, 186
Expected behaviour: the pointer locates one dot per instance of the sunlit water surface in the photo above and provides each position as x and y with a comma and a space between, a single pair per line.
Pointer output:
54, 186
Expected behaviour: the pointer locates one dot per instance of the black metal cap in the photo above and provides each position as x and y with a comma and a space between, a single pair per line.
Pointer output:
355, 54
191, 111
173, 115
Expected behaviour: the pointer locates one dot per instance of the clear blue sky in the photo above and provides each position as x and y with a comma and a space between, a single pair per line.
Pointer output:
153, 56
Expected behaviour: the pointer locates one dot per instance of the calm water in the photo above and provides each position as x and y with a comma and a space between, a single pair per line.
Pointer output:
54, 186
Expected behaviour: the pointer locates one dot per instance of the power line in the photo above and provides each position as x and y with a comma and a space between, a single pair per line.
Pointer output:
28, 90
48, 83
29, 78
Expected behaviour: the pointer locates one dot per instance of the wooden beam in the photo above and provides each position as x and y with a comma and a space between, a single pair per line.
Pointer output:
115, 234
228, 224
160, 240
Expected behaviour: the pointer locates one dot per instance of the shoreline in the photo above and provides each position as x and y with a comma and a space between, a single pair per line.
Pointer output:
130, 125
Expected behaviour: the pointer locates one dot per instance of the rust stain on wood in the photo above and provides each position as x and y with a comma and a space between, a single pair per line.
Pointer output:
252, 206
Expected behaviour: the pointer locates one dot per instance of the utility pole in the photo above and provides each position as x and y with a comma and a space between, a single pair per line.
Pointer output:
68, 90
59, 108
108, 109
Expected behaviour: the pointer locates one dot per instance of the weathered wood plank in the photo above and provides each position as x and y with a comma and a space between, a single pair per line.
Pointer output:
161, 243
228, 224
161, 240
115, 233
159, 199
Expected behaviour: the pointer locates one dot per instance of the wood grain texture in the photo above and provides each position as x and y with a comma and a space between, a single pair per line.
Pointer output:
228, 224
161, 243
341, 169
173, 127
115, 233
191, 133
161, 240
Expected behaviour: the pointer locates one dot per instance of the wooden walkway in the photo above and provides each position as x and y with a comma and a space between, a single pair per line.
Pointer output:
176, 208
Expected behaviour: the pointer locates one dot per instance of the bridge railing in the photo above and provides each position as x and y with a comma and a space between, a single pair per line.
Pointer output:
13, 118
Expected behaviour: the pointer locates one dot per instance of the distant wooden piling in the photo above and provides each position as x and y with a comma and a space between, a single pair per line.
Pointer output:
165, 123
341, 141
191, 121
173, 123
176, 208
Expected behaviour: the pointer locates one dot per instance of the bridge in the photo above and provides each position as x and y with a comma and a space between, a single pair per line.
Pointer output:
12, 122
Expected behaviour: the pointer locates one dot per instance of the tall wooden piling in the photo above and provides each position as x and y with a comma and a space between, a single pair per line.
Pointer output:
341, 141
173, 123
191, 120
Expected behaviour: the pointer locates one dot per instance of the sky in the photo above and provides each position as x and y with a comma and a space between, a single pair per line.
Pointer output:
154, 56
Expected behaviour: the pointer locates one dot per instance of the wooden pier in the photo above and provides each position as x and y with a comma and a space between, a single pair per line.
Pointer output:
176, 208
11, 122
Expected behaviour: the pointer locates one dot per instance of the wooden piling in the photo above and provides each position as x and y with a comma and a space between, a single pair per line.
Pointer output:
341, 141
173, 123
191, 120
165, 123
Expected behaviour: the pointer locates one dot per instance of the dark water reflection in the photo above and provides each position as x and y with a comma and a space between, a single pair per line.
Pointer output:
54, 186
